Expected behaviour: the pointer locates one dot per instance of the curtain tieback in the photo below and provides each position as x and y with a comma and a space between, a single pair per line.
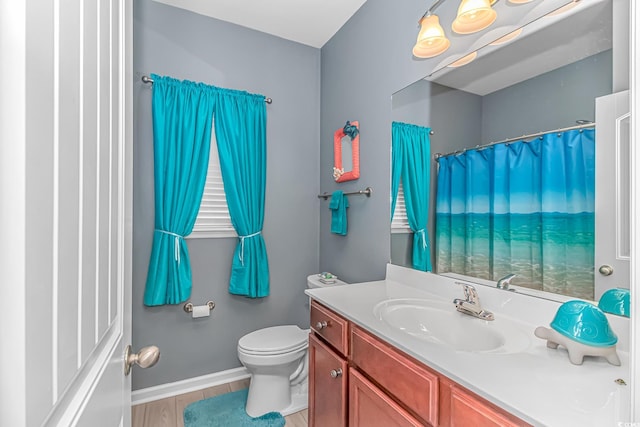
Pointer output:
242, 244
176, 244
423, 237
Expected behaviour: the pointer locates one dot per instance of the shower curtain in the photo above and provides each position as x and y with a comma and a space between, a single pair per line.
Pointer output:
523, 207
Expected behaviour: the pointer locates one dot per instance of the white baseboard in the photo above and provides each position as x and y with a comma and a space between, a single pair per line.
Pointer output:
162, 391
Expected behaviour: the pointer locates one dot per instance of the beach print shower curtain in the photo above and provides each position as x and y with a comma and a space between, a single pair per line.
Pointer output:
522, 207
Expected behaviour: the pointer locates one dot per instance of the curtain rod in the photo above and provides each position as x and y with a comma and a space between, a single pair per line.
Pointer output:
367, 192
519, 138
149, 80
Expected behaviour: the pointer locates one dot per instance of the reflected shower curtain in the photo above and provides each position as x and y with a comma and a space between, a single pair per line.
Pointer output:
411, 161
524, 207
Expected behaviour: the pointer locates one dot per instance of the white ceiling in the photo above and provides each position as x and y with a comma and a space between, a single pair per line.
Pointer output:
310, 22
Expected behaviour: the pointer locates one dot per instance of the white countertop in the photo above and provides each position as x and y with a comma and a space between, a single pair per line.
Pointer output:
537, 384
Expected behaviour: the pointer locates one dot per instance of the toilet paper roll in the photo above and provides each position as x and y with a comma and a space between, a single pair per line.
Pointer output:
200, 311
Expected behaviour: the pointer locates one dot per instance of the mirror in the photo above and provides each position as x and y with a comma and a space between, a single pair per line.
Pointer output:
544, 80
346, 152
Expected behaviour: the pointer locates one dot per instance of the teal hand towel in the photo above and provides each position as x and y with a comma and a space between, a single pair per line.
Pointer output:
338, 205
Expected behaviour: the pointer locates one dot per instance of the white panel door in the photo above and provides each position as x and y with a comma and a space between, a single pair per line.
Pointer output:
613, 194
65, 213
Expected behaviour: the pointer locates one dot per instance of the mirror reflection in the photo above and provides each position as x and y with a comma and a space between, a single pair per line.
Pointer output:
532, 99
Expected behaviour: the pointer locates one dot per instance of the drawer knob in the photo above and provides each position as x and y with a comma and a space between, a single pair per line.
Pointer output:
321, 325
335, 373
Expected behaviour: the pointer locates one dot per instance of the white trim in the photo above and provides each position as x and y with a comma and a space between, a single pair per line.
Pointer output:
163, 391
634, 36
55, 285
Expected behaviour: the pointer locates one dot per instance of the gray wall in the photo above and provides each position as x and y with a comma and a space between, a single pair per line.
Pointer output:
552, 100
170, 41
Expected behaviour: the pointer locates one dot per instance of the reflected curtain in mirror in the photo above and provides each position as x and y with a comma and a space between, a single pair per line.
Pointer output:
410, 163
523, 207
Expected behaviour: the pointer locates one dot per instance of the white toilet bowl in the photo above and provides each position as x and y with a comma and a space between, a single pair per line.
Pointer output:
275, 357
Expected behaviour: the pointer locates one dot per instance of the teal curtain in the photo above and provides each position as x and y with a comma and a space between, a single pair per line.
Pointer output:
525, 207
411, 152
182, 113
396, 163
240, 127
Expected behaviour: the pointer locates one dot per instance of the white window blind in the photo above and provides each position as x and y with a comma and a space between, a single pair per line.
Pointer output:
213, 217
400, 222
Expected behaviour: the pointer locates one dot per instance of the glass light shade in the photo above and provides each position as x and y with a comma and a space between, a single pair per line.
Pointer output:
473, 16
564, 8
431, 39
464, 60
507, 38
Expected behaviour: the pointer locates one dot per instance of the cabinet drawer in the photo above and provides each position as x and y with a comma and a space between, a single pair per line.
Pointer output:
330, 326
410, 383
327, 386
369, 406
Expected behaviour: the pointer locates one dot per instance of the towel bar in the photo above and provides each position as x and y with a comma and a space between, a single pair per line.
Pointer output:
367, 192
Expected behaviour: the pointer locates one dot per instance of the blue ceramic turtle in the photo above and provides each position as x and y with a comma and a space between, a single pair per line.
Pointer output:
616, 301
583, 329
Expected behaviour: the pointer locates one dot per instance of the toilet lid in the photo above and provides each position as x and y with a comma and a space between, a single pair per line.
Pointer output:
274, 340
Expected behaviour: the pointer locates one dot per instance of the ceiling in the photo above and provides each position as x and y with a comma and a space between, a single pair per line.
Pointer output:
310, 22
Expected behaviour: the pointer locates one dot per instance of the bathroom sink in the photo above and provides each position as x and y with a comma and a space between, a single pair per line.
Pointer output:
439, 322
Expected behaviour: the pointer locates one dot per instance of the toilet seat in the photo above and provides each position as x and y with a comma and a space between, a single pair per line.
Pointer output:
274, 341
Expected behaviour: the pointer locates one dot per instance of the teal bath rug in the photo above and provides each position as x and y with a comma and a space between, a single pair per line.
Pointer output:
227, 410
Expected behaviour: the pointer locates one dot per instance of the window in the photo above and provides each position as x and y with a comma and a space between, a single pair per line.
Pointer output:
213, 217
400, 222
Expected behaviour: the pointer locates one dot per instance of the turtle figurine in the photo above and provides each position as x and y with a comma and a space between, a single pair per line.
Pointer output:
583, 329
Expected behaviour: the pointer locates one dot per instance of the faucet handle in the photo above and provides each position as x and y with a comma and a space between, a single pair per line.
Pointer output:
470, 293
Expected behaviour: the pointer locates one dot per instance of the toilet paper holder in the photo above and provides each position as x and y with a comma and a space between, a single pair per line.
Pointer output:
188, 307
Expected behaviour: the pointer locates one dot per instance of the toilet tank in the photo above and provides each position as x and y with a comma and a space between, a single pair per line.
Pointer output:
315, 281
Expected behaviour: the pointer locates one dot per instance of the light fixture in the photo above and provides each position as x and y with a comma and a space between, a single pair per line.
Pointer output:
473, 16
464, 60
431, 39
507, 38
520, 1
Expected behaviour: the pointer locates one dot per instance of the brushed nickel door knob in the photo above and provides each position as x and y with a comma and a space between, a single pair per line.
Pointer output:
606, 270
335, 373
145, 358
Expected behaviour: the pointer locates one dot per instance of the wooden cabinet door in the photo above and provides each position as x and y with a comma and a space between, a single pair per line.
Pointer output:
468, 410
327, 386
371, 407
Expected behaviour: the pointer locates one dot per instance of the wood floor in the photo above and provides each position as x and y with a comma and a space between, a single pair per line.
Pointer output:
168, 412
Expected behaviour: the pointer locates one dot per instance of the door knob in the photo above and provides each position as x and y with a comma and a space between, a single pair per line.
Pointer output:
335, 373
145, 358
606, 270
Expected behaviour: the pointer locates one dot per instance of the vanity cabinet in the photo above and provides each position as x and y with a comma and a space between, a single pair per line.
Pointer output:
358, 380
328, 368
327, 386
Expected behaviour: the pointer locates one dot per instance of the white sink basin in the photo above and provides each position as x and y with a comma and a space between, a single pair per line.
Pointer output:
439, 322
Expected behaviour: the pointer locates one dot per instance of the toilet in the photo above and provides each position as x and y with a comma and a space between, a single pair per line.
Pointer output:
276, 357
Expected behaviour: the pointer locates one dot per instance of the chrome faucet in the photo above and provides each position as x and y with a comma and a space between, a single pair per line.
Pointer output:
471, 303
504, 282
